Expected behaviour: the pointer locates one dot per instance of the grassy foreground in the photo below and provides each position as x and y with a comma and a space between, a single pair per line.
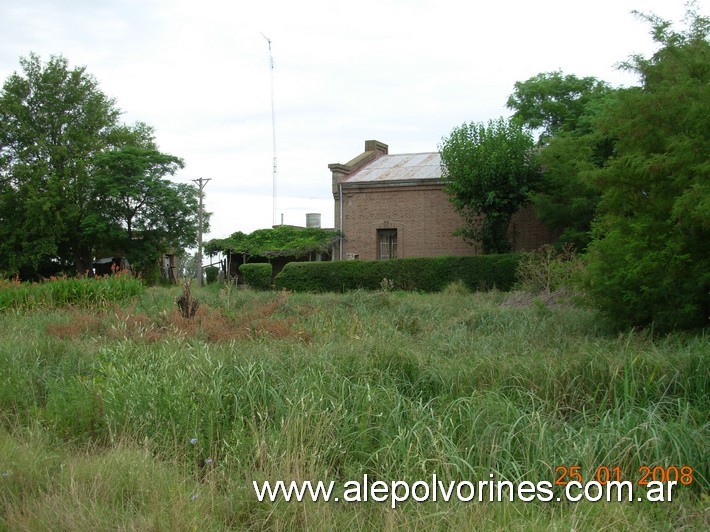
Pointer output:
134, 418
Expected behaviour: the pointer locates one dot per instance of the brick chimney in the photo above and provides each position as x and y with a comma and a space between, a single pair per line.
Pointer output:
373, 150
380, 148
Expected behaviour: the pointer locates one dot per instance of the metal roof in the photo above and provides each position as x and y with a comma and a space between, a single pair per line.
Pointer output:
404, 167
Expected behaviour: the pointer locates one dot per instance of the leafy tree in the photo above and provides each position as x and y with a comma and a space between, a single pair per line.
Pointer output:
564, 109
73, 179
138, 209
53, 121
491, 171
552, 102
650, 260
188, 265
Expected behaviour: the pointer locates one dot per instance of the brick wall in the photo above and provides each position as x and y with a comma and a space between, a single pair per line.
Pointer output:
526, 232
424, 220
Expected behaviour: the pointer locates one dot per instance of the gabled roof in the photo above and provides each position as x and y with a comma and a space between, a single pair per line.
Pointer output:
402, 167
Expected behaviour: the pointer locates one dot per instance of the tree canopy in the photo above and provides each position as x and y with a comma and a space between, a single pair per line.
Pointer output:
564, 108
490, 172
138, 209
73, 179
552, 102
650, 257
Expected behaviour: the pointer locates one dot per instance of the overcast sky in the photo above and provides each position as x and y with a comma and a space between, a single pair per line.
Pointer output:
404, 72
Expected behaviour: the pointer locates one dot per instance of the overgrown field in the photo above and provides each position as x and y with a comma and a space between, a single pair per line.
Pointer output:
132, 417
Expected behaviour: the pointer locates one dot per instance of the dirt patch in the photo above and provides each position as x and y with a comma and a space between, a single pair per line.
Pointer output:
258, 320
79, 324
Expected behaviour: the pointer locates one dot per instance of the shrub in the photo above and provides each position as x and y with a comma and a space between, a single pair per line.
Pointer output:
386, 285
649, 262
429, 274
257, 275
456, 288
211, 274
549, 269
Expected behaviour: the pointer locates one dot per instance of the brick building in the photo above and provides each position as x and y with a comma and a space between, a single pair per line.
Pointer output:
394, 206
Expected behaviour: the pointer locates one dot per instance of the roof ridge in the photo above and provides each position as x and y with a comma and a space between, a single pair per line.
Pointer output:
412, 153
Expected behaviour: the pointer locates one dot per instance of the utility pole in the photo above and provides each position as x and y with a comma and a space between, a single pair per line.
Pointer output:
201, 183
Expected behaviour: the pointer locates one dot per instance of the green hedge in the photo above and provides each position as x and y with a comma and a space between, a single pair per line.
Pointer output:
429, 274
257, 275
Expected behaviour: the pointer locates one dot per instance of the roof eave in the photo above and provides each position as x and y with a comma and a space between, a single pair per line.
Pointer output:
394, 183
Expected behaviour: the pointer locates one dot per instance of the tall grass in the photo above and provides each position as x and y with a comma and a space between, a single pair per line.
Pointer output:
68, 291
397, 386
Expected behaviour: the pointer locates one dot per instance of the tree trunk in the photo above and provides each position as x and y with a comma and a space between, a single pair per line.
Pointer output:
83, 263
495, 233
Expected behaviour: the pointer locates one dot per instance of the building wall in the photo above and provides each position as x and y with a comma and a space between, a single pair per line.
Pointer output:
527, 233
424, 219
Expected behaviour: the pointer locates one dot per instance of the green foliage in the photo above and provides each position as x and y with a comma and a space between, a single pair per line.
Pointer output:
456, 288
53, 121
257, 275
553, 102
73, 180
566, 202
429, 274
211, 274
490, 172
549, 269
564, 108
137, 208
281, 241
69, 291
650, 261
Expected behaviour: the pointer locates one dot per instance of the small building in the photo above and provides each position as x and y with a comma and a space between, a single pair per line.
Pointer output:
111, 265
394, 206
169, 267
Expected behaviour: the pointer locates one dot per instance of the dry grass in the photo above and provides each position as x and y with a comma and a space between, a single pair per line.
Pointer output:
261, 319
556, 299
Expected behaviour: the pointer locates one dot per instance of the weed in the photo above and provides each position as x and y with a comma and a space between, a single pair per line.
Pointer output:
386, 285
456, 288
187, 304
63, 291
548, 269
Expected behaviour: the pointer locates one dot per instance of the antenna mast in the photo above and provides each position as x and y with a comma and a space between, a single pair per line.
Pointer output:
273, 128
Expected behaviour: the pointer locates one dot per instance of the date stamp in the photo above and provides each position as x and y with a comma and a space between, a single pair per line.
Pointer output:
682, 475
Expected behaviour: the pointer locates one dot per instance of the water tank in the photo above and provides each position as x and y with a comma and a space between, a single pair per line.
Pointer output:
313, 219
